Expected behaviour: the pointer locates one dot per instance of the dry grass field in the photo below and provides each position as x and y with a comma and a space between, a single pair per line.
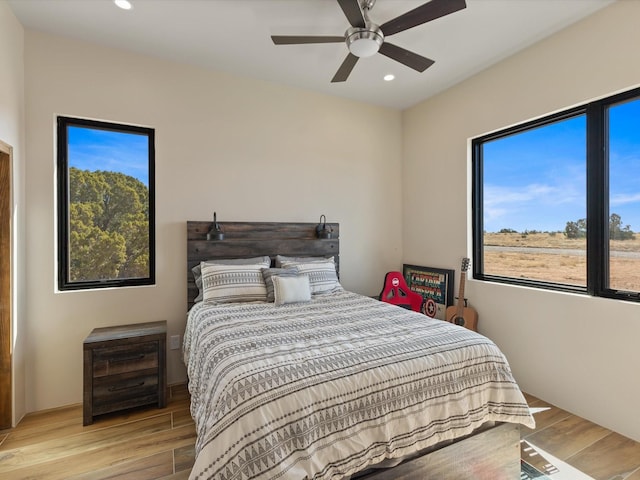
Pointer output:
567, 267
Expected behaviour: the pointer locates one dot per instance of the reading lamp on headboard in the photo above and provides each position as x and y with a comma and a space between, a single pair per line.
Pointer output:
215, 232
322, 231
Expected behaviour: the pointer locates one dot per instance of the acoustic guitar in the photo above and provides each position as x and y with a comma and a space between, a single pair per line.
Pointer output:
461, 314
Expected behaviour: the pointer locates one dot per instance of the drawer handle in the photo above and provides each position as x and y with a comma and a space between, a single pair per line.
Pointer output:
130, 358
126, 387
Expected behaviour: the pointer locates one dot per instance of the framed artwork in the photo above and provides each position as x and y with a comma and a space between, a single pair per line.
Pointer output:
435, 285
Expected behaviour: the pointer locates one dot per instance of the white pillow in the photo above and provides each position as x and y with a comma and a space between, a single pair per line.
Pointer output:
291, 289
280, 259
322, 275
233, 283
197, 270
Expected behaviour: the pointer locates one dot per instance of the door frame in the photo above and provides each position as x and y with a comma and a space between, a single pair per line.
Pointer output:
6, 309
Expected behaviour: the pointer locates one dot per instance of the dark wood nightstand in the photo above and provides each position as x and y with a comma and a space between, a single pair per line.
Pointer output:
124, 367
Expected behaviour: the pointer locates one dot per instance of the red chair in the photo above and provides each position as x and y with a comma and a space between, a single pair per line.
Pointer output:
396, 292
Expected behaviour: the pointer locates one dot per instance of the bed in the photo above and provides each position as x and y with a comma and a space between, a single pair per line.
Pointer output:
339, 385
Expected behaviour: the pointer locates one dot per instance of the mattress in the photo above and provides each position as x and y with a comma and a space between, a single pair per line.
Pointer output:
329, 388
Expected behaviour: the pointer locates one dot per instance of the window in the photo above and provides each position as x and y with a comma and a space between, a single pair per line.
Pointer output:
105, 204
556, 201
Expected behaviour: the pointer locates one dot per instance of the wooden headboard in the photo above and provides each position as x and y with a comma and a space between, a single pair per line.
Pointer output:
252, 239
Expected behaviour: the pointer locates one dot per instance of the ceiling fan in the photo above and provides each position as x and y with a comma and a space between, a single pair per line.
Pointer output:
364, 38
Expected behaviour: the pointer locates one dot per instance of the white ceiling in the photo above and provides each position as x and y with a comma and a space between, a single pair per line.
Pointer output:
234, 36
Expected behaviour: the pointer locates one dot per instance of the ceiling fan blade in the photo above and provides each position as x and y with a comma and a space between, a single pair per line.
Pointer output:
301, 39
345, 69
410, 59
351, 9
422, 14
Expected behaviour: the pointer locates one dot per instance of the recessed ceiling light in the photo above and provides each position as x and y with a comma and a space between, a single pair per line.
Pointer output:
389, 77
123, 4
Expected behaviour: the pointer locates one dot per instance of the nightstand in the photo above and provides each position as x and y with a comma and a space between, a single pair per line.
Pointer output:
124, 367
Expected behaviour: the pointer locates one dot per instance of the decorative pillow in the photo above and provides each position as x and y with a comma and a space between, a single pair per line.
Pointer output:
233, 283
269, 273
197, 275
291, 289
282, 259
322, 275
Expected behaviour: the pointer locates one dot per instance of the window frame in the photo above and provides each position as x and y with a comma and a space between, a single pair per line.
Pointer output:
597, 199
62, 207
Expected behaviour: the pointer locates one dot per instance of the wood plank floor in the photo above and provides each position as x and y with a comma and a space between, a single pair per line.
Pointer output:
152, 443
590, 448
144, 444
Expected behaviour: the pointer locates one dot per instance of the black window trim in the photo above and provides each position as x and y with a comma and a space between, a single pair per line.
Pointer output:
597, 192
64, 284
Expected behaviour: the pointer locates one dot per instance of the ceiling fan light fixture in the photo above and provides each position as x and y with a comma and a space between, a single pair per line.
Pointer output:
123, 4
364, 42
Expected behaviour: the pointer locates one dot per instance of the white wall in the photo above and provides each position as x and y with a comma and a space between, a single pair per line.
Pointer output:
578, 352
12, 133
250, 150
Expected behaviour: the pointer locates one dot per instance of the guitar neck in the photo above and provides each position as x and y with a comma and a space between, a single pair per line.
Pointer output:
460, 306
463, 277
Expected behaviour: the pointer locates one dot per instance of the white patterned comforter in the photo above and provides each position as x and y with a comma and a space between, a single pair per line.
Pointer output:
325, 389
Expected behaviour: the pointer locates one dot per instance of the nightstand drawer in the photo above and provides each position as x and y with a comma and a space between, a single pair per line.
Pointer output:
123, 359
128, 390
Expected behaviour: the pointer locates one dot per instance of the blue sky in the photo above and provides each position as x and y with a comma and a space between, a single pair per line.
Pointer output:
536, 180
624, 159
91, 149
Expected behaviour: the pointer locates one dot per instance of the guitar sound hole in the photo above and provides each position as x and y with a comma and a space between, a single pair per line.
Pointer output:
459, 321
